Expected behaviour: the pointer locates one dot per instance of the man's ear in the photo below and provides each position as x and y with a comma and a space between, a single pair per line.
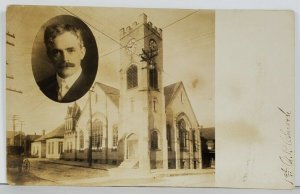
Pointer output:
82, 52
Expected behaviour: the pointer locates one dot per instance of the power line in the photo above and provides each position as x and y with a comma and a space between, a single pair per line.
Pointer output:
93, 26
122, 46
180, 19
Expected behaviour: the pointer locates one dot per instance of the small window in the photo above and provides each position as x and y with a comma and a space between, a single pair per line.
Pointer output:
169, 136
97, 134
60, 147
132, 77
154, 104
181, 97
52, 147
81, 140
154, 140
49, 147
115, 136
183, 134
153, 82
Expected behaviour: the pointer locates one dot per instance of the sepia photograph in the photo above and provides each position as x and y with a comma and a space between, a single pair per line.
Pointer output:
72, 53
110, 96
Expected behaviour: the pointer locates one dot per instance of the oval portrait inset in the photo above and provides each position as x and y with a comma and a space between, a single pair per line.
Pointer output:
64, 58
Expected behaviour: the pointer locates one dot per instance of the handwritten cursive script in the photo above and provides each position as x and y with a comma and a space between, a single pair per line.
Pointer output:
287, 151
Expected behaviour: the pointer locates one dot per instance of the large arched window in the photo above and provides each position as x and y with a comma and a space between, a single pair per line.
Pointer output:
97, 134
115, 136
132, 77
81, 140
153, 82
154, 140
183, 134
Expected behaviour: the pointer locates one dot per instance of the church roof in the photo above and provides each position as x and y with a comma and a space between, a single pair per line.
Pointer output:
170, 91
58, 132
111, 92
114, 94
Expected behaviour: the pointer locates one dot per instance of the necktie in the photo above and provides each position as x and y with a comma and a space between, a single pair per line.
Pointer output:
63, 90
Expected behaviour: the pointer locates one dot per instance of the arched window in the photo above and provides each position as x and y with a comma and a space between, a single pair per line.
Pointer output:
115, 136
81, 140
97, 134
154, 140
169, 136
132, 77
153, 82
183, 134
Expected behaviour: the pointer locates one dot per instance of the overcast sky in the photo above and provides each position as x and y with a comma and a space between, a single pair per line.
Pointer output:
188, 48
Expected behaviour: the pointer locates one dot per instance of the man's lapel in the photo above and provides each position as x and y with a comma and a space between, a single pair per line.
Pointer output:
76, 90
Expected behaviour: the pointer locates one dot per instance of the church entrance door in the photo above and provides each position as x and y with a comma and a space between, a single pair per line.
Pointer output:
132, 146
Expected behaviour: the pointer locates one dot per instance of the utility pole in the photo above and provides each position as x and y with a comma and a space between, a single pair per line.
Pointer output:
90, 152
106, 129
10, 43
14, 118
21, 133
11, 36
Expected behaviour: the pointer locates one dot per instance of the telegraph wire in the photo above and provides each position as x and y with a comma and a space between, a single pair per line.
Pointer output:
180, 19
122, 46
92, 26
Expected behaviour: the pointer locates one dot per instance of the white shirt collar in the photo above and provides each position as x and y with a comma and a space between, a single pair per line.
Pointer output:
69, 80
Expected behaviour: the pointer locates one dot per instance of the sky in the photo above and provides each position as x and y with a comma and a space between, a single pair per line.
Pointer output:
188, 56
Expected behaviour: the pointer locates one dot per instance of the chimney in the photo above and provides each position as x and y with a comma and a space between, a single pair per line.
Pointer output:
43, 132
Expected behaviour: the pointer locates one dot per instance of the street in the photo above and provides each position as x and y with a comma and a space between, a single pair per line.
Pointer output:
47, 172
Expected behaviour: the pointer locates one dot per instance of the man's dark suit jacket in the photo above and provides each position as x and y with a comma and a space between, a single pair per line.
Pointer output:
50, 88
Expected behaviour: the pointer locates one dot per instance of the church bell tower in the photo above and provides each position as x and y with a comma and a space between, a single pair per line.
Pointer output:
142, 103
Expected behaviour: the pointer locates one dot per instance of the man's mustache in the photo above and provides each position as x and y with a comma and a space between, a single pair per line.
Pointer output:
63, 65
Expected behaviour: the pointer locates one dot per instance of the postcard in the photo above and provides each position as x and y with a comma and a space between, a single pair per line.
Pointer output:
149, 97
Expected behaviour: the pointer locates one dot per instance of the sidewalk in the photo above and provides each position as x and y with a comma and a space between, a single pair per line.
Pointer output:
180, 172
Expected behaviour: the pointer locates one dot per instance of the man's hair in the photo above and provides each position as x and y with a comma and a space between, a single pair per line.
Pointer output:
53, 31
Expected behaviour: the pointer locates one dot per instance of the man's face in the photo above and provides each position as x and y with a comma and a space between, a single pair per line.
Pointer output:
66, 54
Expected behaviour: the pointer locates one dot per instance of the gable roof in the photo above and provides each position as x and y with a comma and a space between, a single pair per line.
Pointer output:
32, 137
170, 91
112, 93
58, 132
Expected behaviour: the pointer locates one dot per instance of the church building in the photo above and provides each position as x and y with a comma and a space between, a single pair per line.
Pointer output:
141, 125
